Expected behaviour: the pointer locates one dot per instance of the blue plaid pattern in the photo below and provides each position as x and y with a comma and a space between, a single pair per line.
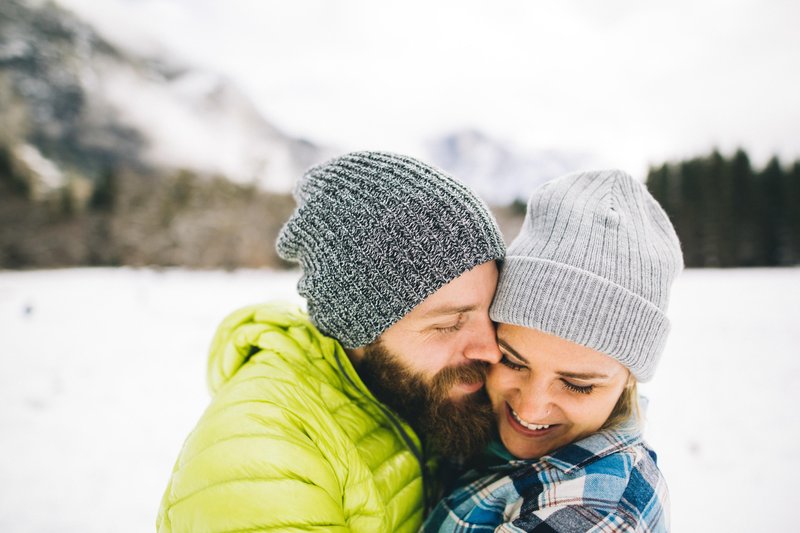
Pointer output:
607, 482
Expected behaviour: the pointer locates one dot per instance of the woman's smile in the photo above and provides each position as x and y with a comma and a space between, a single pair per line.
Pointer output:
526, 428
537, 429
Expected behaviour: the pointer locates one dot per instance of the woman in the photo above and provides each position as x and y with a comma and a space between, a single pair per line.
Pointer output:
580, 307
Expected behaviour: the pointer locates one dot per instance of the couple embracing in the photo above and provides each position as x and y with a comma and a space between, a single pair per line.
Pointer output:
438, 382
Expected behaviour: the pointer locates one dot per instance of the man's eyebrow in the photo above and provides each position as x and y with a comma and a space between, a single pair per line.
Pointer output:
448, 310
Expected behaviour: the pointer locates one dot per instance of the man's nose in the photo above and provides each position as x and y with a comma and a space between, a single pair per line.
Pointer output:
483, 343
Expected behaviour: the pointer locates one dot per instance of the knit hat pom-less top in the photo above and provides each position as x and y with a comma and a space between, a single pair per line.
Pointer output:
593, 264
375, 234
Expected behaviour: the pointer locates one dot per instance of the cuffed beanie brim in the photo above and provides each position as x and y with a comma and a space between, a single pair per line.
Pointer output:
574, 304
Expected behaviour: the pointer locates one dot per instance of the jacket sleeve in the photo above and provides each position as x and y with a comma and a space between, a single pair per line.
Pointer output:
251, 464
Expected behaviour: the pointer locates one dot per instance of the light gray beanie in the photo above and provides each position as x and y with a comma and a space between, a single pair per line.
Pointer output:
593, 264
377, 233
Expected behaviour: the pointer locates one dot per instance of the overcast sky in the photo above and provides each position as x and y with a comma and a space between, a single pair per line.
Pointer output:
630, 82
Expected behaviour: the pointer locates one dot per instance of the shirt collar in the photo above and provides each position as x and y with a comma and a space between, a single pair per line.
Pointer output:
596, 446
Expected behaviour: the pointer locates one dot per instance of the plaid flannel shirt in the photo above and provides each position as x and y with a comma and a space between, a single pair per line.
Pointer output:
607, 482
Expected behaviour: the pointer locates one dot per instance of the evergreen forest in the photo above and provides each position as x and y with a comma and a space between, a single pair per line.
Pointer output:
728, 213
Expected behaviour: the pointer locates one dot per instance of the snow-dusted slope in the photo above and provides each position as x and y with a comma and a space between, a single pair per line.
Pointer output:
200, 120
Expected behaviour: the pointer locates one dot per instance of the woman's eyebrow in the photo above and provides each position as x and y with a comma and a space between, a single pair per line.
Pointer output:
583, 375
562, 373
508, 348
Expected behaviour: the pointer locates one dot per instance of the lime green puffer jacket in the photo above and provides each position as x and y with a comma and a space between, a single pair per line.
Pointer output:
292, 440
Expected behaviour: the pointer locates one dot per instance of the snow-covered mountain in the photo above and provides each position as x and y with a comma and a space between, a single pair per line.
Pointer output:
497, 170
200, 120
73, 100
74, 103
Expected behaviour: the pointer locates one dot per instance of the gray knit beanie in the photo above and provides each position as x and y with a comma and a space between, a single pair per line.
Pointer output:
593, 264
377, 233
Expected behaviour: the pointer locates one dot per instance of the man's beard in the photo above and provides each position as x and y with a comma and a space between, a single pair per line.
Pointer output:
455, 428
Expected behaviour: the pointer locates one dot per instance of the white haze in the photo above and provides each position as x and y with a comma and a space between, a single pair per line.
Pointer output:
631, 83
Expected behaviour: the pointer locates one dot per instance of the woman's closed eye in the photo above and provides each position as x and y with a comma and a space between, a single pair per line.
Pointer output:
570, 386
580, 389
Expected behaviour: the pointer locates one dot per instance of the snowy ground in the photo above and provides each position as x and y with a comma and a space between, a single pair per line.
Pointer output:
102, 377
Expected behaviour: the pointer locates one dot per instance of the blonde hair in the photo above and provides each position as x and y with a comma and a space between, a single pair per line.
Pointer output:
627, 406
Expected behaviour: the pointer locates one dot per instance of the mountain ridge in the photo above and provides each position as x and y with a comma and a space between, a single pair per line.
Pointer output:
87, 105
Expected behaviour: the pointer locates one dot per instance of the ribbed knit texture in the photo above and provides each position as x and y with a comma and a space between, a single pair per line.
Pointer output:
375, 234
593, 264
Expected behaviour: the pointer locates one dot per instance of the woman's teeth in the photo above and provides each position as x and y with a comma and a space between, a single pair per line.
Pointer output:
528, 424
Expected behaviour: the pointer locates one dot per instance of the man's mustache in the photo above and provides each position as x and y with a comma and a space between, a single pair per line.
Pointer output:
449, 376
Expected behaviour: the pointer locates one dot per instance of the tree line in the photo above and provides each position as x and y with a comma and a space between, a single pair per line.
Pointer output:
726, 212
729, 214
134, 217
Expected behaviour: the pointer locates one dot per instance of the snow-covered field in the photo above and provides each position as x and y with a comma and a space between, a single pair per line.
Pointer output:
102, 377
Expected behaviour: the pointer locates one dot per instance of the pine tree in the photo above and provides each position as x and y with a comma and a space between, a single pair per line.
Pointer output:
743, 211
717, 191
771, 218
791, 199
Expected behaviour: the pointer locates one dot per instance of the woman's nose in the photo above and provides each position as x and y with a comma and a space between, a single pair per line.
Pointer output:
535, 405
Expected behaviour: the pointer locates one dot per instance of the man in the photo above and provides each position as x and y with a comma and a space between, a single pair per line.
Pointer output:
314, 424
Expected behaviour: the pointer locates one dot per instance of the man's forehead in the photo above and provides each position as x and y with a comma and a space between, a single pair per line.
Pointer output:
441, 309
471, 291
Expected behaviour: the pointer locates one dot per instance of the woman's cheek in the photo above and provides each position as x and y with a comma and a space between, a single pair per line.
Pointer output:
499, 380
491, 382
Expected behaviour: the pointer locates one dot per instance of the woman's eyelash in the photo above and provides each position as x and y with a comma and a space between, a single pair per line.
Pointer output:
577, 388
580, 389
511, 364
